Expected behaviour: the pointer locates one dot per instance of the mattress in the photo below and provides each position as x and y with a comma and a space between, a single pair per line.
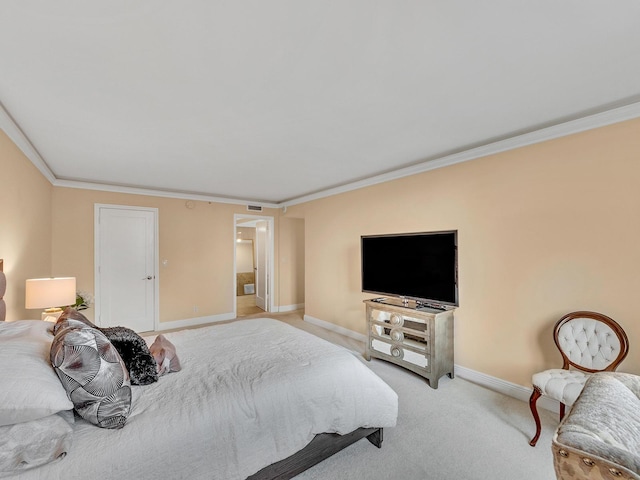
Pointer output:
249, 394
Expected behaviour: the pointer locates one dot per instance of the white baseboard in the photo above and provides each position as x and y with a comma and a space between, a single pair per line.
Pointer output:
335, 328
289, 308
502, 386
492, 383
192, 322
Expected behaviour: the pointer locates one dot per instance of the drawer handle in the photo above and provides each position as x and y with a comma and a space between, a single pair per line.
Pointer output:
396, 319
396, 352
397, 336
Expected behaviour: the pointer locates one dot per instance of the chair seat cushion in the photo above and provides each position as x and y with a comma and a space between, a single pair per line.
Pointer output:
561, 385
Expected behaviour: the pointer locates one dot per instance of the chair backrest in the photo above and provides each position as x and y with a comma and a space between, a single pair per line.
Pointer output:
590, 342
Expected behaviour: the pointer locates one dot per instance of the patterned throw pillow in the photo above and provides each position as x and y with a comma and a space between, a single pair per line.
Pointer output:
71, 313
92, 373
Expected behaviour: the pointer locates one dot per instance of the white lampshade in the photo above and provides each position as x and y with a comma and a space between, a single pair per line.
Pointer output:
50, 292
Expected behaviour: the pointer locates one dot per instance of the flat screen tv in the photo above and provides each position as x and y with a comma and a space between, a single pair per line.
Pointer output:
418, 266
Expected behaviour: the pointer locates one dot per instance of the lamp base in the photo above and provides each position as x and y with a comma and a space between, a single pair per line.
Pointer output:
51, 314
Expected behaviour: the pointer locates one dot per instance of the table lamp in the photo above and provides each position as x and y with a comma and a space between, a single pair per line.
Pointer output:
50, 294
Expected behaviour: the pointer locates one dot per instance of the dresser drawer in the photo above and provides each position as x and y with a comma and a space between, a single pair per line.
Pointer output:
395, 319
397, 352
414, 340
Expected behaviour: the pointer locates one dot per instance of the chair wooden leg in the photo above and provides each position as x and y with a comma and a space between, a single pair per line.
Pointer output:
562, 407
535, 395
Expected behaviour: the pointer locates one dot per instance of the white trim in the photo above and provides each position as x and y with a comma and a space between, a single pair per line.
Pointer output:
589, 122
156, 193
335, 328
507, 388
271, 260
192, 322
492, 383
289, 308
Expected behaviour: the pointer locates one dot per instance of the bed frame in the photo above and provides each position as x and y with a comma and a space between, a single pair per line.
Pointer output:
320, 448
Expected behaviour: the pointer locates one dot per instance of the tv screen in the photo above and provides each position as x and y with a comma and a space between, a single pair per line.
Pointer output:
420, 266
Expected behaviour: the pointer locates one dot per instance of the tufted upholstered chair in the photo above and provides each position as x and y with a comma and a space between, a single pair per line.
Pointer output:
589, 342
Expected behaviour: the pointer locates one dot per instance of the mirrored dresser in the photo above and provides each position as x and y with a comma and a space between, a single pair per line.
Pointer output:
415, 337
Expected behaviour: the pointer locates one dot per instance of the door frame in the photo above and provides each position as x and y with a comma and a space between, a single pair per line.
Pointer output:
96, 257
270, 257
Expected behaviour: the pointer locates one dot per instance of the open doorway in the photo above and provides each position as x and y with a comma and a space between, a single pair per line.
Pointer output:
253, 265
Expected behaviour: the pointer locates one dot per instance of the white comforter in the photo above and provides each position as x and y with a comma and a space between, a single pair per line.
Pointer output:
250, 393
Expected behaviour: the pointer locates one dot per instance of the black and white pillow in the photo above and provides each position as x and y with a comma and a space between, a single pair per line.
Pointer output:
92, 372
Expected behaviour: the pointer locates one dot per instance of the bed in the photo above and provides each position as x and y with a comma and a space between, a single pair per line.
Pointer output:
254, 399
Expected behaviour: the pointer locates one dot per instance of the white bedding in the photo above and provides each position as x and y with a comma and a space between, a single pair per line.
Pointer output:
250, 393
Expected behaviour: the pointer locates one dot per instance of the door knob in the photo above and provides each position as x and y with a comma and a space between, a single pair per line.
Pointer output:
149, 277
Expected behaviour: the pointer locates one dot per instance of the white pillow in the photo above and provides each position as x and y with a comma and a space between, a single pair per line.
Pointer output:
31, 444
29, 388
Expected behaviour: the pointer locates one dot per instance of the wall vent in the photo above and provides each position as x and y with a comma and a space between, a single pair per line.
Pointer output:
254, 208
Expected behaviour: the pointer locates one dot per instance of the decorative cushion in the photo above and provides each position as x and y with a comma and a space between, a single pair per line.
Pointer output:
603, 422
164, 353
71, 313
134, 353
29, 388
92, 373
31, 444
561, 385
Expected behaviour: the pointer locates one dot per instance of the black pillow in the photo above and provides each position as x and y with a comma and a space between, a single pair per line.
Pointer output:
135, 354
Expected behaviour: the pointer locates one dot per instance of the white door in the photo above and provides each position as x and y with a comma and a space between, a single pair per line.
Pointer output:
262, 265
126, 260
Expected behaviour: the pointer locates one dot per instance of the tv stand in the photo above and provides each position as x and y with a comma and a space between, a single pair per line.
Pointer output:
413, 335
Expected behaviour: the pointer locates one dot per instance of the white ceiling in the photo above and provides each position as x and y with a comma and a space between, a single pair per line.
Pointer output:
275, 101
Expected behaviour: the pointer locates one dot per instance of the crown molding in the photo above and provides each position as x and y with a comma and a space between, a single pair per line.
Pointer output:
602, 119
15, 133
589, 122
158, 193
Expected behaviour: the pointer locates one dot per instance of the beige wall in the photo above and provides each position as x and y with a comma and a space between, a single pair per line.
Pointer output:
25, 225
542, 230
197, 243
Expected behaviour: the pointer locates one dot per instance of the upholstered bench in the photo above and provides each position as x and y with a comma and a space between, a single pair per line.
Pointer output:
600, 436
